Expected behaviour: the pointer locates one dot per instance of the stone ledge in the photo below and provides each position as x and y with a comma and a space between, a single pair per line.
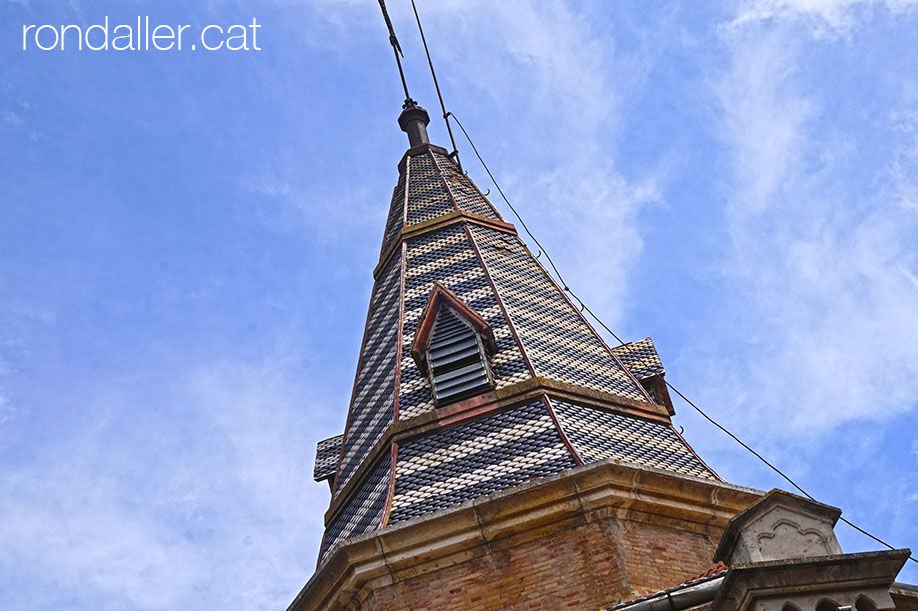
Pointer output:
510, 517
747, 583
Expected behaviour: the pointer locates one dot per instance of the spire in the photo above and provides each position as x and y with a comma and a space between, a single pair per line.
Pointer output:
512, 384
414, 121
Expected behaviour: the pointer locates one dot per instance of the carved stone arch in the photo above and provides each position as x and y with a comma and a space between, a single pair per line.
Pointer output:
812, 542
864, 603
827, 604
789, 606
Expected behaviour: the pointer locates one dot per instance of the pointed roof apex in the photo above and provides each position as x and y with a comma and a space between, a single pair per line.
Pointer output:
413, 121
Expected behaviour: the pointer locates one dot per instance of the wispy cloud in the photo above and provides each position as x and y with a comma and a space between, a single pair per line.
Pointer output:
546, 45
281, 203
6, 410
149, 523
71, 523
576, 83
903, 171
823, 17
822, 281
763, 119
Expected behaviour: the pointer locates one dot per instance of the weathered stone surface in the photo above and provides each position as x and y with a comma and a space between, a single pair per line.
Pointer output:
780, 526
861, 581
905, 596
584, 538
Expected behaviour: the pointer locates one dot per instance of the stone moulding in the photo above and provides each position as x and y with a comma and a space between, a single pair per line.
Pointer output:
845, 576
585, 494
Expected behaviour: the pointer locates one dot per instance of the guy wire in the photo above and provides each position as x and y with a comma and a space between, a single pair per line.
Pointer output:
433, 73
604, 326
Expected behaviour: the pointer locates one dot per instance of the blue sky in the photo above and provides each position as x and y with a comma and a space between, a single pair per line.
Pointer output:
187, 239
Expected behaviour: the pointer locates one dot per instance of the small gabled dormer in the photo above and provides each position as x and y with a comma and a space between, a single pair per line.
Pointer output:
452, 347
642, 360
327, 453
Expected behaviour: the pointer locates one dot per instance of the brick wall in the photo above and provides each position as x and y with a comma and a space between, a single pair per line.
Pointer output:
586, 566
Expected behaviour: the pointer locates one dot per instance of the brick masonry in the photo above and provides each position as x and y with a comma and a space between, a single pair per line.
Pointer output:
584, 566
585, 538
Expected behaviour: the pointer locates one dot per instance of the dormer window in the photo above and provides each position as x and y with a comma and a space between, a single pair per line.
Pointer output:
642, 360
327, 452
452, 347
456, 359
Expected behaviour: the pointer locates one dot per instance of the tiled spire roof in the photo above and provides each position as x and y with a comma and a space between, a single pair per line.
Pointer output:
561, 397
640, 358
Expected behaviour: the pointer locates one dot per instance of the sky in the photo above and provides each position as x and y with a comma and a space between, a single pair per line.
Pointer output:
187, 240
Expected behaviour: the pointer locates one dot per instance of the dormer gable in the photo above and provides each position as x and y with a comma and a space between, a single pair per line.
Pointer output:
642, 360
779, 526
452, 346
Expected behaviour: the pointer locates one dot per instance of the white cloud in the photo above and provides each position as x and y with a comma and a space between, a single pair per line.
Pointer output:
325, 213
575, 83
546, 46
903, 171
204, 497
762, 122
12, 118
71, 523
822, 284
824, 17
6, 410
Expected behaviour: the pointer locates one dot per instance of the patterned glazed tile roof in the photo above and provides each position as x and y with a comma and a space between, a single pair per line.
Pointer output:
364, 511
327, 452
447, 255
598, 435
556, 338
441, 228
373, 401
475, 459
640, 358
435, 188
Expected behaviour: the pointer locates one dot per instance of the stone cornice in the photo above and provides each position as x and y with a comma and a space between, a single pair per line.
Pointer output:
745, 583
580, 495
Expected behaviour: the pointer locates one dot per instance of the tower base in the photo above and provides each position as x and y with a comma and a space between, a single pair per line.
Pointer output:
585, 538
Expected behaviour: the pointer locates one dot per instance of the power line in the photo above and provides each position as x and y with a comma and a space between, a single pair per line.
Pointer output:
397, 49
773, 468
433, 73
604, 326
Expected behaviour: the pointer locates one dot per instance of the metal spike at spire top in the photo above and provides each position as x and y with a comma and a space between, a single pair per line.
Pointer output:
397, 49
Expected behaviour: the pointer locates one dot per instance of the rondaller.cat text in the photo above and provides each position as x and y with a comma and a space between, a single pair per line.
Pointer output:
140, 36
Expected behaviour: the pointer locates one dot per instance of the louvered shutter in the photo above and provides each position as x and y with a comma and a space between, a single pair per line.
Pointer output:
456, 359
